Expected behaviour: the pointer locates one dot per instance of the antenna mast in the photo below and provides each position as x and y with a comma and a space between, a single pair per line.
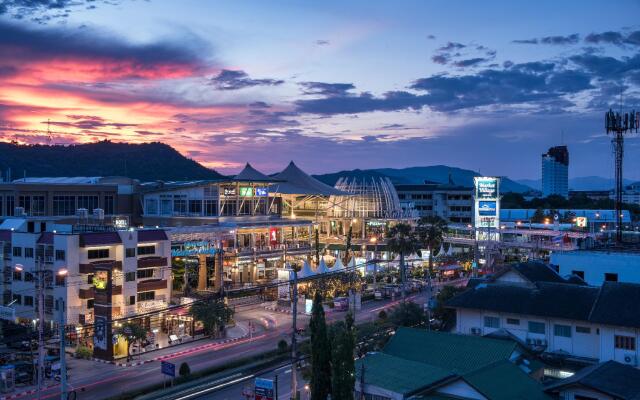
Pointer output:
618, 124
49, 137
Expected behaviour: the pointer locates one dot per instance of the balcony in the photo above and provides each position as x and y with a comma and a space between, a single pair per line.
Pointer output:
90, 268
116, 289
86, 293
152, 284
150, 262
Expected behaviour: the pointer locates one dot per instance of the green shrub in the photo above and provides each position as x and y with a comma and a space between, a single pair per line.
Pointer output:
382, 315
283, 346
184, 369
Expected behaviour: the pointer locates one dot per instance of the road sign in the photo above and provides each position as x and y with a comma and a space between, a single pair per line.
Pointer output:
263, 389
7, 313
168, 368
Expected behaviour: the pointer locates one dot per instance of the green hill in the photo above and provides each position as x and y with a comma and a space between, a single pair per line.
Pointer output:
147, 161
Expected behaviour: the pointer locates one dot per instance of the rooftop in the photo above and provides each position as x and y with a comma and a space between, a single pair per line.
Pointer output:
612, 378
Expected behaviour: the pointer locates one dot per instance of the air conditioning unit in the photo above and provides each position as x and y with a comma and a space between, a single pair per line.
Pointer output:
82, 213
630, 359
19, 212
531, 341
476, 331
541, 342
98, 214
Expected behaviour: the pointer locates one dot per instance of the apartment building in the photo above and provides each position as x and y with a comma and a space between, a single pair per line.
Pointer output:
126, 272
598, 266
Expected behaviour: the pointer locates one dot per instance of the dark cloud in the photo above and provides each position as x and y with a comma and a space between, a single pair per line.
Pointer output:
259, 104
553, 40
440, 59
322, 42
236, 79
326, 89
451, 46
431, 37
43, 11
22, 45
605, 37
609, 68
471, 62
88, 122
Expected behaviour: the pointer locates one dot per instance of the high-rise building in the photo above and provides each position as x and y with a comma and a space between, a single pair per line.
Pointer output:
555, 172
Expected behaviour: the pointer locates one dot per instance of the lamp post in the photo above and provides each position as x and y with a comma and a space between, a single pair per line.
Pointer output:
374, 240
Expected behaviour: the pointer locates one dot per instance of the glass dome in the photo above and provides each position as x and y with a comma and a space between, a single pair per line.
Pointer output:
370, 197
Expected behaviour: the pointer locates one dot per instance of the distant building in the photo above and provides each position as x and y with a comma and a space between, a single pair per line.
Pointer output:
555, 172
597, 267
590, 194
449, 201
630, 194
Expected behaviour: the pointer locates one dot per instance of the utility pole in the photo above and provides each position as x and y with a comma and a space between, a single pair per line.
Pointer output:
619, 124
294, 355
40, 274
362, 381
63, 355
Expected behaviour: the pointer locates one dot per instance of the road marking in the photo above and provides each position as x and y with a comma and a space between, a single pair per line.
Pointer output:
223, 385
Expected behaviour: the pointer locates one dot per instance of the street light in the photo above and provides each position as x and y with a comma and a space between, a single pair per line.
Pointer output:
18, 267
374, 241
63, 272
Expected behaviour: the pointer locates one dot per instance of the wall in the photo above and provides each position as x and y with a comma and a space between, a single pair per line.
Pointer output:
596, 263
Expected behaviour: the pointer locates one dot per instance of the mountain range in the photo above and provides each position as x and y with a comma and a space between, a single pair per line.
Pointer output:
580, 183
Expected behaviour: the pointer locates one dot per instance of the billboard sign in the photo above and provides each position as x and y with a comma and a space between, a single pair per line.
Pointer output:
263, 389
100, 332
262, 192
246, 191
487, 208
486, 188
229, 191
273, 236
581, 222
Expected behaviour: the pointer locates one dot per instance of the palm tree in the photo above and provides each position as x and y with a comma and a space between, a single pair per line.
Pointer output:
431, 231
214, 315
402, 241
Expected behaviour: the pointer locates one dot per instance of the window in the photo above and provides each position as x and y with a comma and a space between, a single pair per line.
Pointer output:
17, 251
130, 252
492, 322
130, 276
145, 296
28, 277
195, 207
60, 255
17, 275
145, 273
513, 321
90, 279
151, 206
165, 206
146, 250
562, 330
610, 277
11, 206
28, 252
60, 280
625, 342
64, 205
179, 204
90, 303
28, 301
132, 300
98, 253
578, 273
108, 205
210, 208
536, 327
583, 329
88, 202
17, 298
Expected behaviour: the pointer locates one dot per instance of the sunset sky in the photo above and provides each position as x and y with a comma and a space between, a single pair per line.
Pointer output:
331, 85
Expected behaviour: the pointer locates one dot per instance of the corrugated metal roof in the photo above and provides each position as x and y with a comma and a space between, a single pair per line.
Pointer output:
99, 239
152, 235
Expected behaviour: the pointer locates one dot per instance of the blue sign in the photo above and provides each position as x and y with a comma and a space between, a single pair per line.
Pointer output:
193, 248
263, 389
262, 192
168, 369
487, 208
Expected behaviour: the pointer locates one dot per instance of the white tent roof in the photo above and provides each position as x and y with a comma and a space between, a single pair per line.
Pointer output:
450, 250
322, 268
306, 271
296, 181
441, 251
338, 266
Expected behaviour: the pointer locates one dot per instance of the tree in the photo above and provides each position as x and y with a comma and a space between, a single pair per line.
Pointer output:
320, 381
133, 333
317, 245
446, 315
213, 314
431, 231
348, 249
184, 370
402, 241
343, 343
407, 314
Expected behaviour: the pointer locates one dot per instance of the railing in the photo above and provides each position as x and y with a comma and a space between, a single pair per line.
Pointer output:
155, 284
153, 261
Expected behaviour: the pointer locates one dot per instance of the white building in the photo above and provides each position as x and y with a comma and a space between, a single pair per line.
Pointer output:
597, 267
448, 201
138, 261
555, 172
565, 320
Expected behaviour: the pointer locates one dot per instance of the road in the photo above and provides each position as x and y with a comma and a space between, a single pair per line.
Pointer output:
96, 381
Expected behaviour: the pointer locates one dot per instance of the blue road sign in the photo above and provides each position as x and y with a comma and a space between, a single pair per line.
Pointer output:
168, 369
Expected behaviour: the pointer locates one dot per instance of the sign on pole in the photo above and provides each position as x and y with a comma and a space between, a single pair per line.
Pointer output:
263, 389
7, 313
168, 368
